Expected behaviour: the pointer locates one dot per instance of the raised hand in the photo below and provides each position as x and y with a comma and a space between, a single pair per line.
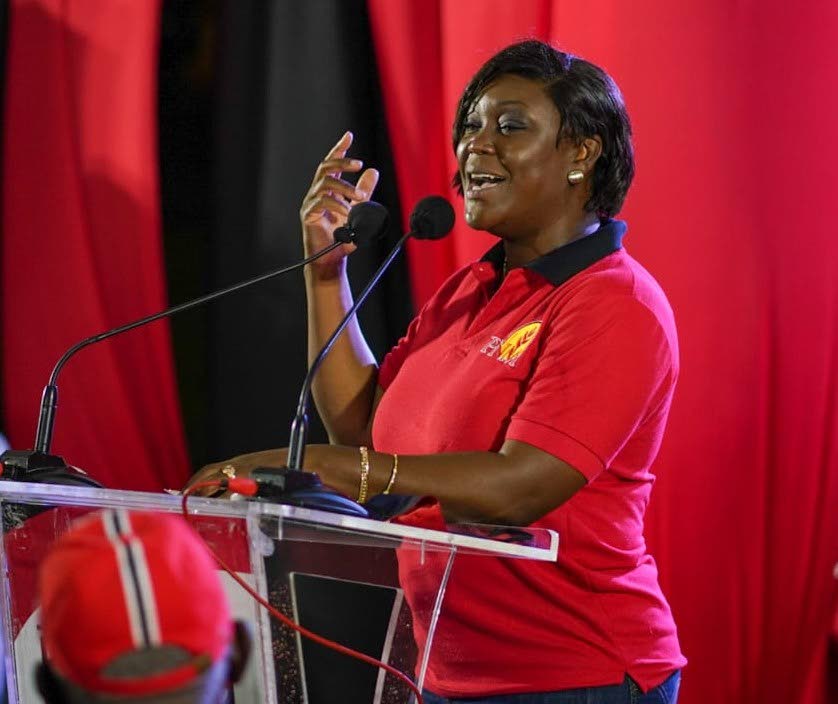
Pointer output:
326, 205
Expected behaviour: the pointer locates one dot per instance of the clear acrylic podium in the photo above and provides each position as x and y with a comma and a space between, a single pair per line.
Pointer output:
337, 575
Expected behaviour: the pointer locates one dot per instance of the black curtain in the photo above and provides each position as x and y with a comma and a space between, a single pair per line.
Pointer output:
188, 76
288, 80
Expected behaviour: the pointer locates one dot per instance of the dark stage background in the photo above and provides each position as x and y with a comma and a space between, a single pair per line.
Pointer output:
153, 151
238, 150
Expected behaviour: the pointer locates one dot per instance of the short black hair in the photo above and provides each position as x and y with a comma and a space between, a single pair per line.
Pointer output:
588, 102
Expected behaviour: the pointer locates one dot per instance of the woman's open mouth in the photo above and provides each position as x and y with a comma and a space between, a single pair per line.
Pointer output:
480, 182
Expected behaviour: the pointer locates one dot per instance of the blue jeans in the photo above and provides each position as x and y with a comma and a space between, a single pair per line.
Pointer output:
626, 693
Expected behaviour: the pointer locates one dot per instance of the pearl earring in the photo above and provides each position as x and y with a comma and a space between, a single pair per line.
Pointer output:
575, 176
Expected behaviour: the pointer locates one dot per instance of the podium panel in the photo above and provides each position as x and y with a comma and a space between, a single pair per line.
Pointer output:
336, 575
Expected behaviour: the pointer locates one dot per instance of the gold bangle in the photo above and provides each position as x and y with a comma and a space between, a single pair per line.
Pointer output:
365, 474
393, 474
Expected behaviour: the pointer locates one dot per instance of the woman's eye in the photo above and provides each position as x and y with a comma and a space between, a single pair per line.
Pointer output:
470, 126
507, 127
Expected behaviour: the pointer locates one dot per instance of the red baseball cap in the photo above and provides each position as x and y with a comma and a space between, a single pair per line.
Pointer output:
119, 582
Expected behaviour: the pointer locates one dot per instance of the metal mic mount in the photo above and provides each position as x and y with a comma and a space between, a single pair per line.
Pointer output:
432, 218
38, 465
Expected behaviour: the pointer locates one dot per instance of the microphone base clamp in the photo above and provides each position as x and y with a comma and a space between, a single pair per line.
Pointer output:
298, 488
42, 468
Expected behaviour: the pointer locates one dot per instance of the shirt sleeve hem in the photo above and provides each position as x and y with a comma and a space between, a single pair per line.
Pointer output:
386, 373
556, 443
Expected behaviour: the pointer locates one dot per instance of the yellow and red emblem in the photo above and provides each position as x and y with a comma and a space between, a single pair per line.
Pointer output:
516, 344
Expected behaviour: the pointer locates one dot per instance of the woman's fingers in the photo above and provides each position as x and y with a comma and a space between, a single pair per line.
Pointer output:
334, 167
336, 161
332, 198
366, 184
210, 472
328, 201
326, 205
336, 186
327, 178
341, 147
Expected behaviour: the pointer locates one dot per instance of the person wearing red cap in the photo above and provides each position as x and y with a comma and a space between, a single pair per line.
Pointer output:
133, 610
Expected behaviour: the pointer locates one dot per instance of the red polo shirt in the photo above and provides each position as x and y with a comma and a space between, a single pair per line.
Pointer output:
575, 354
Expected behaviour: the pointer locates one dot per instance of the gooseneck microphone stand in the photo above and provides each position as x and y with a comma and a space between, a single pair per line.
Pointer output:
299, 426
38, 465
432, 218
290, 484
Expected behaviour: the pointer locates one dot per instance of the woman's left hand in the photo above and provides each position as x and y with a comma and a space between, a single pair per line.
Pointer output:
240, 467
337, 467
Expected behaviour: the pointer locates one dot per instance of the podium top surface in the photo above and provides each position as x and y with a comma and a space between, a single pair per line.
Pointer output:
300, 523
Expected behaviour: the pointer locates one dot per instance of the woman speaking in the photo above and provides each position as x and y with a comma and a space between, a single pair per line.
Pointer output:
532, 389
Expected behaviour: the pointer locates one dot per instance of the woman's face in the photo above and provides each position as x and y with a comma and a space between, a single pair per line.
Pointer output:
514, 174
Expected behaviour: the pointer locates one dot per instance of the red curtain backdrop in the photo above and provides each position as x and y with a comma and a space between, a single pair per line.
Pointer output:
81, 249
734, 107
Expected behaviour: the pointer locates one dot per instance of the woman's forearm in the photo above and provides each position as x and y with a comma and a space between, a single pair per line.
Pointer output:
344, 386
515, 486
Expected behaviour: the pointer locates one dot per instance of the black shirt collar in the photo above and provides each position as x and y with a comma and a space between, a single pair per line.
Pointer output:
568, 260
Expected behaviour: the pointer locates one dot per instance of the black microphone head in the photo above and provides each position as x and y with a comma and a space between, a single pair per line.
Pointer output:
367, 223
432, 218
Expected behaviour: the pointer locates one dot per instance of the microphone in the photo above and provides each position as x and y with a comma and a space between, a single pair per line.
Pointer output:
432, 218
365, 224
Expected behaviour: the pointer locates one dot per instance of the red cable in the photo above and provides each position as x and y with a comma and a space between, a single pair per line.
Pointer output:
248, 487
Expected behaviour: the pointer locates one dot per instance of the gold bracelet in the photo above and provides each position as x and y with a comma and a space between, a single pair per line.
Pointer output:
365, 474
393, 474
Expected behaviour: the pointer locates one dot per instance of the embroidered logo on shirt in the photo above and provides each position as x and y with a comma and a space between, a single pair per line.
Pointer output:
508, 351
